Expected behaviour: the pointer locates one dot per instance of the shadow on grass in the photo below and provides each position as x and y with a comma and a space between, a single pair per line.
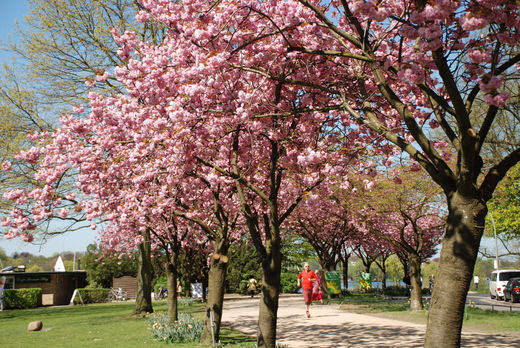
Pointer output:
230, 337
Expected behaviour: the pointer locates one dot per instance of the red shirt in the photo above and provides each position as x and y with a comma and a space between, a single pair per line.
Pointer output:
307, 278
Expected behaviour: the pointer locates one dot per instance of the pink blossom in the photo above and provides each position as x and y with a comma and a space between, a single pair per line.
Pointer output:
103, 76
142, 16
6, 165
5, 221
497, 100
388, 161
409, 138
63, 212
367, 184
415, 167
434, 124
139, 239
78, 109
90, 82
446, 155
478, 56
412, 74
93, 226
440, 144
494, 83
27, 237
397, 180
11, 234
470, 23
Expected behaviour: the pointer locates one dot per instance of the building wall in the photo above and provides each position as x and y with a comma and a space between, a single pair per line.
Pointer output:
129, 284
57, 287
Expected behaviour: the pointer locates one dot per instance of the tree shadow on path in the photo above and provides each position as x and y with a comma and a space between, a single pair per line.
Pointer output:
329, 327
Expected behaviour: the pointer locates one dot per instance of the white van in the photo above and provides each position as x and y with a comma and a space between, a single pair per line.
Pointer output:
498, 281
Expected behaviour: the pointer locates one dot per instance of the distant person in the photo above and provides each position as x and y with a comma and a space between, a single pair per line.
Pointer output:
307, 278
317, 294
179, 287
252, 286
476, 280
162, 293
432, 282
2, 292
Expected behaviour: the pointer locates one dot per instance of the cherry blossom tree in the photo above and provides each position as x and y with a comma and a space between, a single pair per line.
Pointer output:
254, 91
398, 70
325, 226
407, 218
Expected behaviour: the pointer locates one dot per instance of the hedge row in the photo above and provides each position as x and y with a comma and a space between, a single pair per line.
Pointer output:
94, 295
22, 298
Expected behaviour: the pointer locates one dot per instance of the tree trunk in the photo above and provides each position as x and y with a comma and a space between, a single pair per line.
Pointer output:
414, 262
345, 274
187, 287
143, 300
460, 246
383, 280
271, 268
171, 274
216, 284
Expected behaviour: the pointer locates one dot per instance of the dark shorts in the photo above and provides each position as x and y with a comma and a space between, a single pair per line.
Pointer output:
307, 296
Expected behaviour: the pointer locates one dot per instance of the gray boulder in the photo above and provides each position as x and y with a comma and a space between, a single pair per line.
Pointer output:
35, 325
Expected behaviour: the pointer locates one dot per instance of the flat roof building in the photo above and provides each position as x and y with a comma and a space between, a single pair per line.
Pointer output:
57, 287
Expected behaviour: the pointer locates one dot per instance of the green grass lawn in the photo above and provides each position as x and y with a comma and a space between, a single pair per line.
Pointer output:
94, 325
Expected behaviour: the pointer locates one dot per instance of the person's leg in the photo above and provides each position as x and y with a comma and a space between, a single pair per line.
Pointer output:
308, 301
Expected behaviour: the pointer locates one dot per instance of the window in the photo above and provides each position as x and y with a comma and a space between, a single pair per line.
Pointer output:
507, 275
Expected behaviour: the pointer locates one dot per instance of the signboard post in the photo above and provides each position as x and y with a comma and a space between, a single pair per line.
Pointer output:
333, 279
196, 290
365, 281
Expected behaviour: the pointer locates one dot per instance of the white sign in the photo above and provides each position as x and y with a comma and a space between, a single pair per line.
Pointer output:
196, 290
59, 266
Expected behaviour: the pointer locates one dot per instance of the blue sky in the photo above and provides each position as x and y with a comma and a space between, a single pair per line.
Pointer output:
10, 12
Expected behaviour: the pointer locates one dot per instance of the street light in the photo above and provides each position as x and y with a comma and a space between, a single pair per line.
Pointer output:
496, 244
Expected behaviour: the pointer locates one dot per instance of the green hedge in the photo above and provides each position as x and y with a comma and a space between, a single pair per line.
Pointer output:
96, 295
23, 298
289, 283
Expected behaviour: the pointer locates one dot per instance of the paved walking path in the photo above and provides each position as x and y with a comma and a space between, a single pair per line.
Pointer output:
331, 327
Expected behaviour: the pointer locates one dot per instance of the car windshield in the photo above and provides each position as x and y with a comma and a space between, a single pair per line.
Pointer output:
508, 275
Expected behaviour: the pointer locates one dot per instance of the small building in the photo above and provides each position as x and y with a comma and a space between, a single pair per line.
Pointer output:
57, 287
127, 283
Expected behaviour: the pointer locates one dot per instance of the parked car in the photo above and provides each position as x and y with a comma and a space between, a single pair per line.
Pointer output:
512, 290
499, 280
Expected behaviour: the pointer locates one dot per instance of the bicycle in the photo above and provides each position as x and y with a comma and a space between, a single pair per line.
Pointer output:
162, 293
118, 294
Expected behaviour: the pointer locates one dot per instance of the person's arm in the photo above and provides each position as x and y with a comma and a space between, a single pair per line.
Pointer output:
299, 277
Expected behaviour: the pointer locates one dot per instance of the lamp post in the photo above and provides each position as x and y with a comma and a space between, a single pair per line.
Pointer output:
496, 244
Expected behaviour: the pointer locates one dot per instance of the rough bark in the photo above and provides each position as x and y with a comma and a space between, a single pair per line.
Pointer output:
171, 274
344, 263
216, 284
460, 246
414, 262
271, 269
143, 300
